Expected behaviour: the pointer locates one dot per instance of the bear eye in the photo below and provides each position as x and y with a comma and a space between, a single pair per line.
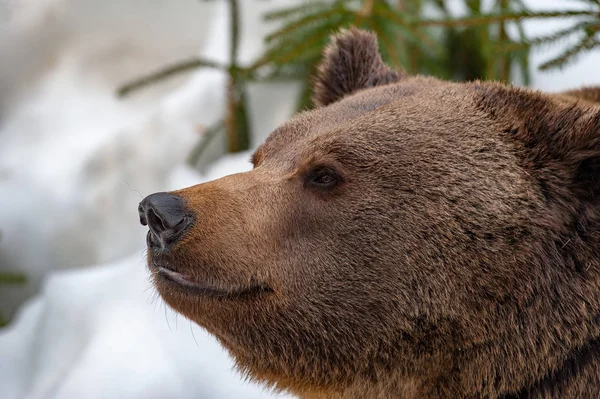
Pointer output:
323, 177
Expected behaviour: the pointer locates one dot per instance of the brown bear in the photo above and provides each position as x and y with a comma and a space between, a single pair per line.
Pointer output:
408, 238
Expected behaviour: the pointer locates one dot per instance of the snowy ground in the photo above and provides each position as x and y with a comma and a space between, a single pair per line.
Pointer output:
74, 163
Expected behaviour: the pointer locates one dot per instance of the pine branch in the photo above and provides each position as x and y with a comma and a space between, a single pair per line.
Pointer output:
479, 43
167, 72
292, 12
321, 27
561, 34
309, 7
281, 73
409, 31
509, 46
485, 19
571, 53
293, 27
306, 47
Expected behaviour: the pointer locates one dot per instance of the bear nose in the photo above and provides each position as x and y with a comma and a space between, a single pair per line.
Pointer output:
165, 215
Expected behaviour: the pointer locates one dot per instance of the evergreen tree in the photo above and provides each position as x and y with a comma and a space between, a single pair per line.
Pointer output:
474, 46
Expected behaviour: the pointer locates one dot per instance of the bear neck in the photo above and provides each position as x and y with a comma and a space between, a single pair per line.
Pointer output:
578, 377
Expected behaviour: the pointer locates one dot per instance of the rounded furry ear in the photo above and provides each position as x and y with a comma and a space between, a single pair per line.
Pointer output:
351, 62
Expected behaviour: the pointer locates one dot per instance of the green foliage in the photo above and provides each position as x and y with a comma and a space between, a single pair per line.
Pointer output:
10, 278
7, 278
474, 46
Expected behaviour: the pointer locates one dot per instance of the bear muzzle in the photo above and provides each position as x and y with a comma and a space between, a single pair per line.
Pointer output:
168, 219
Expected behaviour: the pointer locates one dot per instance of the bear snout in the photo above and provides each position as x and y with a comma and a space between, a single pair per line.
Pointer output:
166, 217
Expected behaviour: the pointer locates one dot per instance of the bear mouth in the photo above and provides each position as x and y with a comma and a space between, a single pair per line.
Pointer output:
188, 284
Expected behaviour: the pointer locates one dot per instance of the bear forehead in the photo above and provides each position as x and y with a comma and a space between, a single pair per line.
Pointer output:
416, 105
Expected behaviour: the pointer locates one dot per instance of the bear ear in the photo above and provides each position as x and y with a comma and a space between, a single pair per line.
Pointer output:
559, 138
350, 63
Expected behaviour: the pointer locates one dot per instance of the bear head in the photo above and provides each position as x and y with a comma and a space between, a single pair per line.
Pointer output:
409, 237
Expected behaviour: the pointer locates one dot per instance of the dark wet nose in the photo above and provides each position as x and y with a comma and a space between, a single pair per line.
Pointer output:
166, 217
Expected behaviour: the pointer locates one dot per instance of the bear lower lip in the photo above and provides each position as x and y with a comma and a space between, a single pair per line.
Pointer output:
177, 277
193, 286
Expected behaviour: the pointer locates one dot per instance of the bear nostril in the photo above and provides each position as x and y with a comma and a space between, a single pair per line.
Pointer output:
155, 221
152, 240
165, 215
143, 220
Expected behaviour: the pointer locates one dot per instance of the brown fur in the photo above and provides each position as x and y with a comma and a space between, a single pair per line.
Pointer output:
457, 257
590, 94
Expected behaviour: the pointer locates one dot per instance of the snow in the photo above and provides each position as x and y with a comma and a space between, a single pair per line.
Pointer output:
74, 163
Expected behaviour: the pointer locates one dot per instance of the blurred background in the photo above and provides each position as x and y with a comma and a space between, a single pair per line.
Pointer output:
104, 102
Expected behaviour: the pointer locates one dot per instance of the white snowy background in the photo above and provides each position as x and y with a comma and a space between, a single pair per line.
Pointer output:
74, 163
